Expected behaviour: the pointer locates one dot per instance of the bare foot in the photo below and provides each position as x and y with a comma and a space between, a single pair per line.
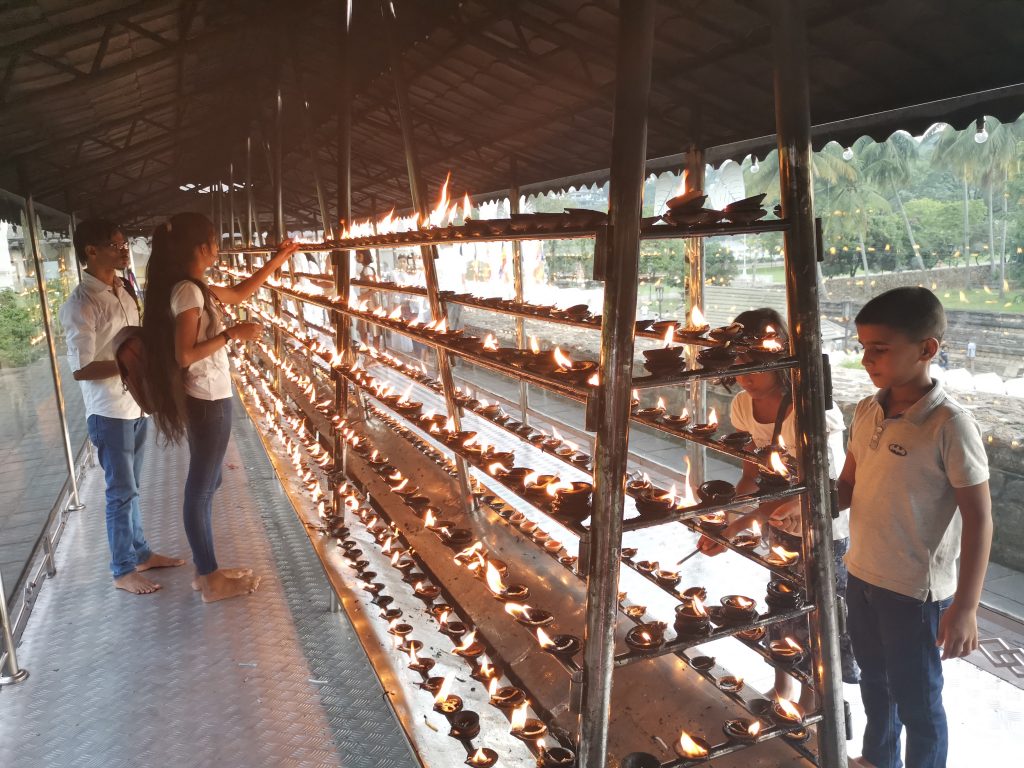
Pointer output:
159, 561
136, 583
216, 586
231, 573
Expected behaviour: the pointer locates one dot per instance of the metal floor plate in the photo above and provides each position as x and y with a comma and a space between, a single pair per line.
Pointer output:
273, 679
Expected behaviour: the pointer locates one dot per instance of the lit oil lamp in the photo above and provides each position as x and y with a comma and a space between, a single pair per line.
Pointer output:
749, 538
528, 615
646, 637
576, 371
655, 502
455, 538
797, 735
679, 420
524, 727
666, 578
417, 664
469, 648
716, 492
786, 712
426, 591
769, 348
637, 485
556, 757
713, 522
445, 702
654, 412
482, 758
781, 557
786, 651
708, 428
498, 588
504, 697
484, 670
696, 327
730, 683
692, 618
571, 500
752, 635
535, 486
667, 359
563, 646
783, 595
778, 477
737, 609
744, 731
399, 629
692, 748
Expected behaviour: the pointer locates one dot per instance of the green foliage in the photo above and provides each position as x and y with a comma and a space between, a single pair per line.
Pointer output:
18, 327
719, 265
939, 224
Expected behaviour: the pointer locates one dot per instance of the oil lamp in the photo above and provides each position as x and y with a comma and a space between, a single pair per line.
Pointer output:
692, 618
399, 629
528, 615
737, 440
640, 760
716, 358
692, 748
469, 648
708, 428
505, 696
786, 712
666, 578
524, 727
564, 646
695, 327
783, 595
716, 491
752, 635
730, 683
781, 557
485, 671
702, 663
571, 500
646, 637
745, 731
737, 609
667, 359
749, 538
426, 591
778, 477
556, 757
417, 664
636, 486
445, 702
786, 651
679, 420
499, 589
769, 348
655, 502
713, 521
654, 412
465, 725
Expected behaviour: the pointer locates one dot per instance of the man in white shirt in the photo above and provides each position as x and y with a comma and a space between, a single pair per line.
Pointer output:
100, 306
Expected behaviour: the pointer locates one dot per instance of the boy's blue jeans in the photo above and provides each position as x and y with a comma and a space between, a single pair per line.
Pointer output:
208, 429
900, 674
119, 448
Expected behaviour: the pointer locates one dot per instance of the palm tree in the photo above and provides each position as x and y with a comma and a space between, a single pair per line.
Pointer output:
889, 164
996, 157
955, 152
852, 201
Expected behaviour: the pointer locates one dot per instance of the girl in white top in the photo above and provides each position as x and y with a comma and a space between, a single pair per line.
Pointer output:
189, 377
757, 409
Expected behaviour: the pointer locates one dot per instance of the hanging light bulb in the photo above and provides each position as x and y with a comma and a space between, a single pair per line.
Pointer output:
848, 154
981, 133
755, 166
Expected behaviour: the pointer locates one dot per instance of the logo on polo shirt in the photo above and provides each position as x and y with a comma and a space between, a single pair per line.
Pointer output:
897, 449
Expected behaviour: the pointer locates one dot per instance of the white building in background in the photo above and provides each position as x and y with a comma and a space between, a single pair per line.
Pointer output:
7, 274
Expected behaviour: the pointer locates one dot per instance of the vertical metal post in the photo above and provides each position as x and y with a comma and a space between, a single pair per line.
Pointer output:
517, 282
417, 190
695, 296
793, 128
231, 202
342, 260
75, 503
219, 211
15, 674
611, 445
248, 191
278, 151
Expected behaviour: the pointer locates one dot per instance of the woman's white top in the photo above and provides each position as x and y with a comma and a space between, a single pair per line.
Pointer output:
742, 416
209, 378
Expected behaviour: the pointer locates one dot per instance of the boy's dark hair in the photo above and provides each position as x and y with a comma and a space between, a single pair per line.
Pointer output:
917, 312
93, 232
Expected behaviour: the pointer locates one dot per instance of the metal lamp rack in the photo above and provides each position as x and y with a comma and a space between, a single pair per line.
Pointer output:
620, 234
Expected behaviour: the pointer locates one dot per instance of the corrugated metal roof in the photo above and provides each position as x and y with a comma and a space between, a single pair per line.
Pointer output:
109, 107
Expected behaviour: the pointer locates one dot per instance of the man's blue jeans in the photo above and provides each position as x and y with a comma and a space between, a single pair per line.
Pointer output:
900, 674
119, 447
208, 429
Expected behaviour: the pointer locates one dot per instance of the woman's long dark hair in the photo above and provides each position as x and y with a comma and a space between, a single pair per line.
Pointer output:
174, 245
755, 321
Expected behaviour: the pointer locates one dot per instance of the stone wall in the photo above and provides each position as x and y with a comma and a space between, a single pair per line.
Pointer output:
860, 289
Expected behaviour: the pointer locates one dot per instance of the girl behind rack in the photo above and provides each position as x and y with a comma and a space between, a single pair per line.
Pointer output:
189, 376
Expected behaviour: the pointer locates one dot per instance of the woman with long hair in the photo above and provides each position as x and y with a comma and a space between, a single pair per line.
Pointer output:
188, 375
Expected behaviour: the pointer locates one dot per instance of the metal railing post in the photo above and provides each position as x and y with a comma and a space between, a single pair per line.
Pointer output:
611, 443
417, 191
517, 282
793, 128
231, 202
15, 674
75, 504
695, 295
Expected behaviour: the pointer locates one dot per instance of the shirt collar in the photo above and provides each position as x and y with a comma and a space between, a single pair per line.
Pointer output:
919, 411
95, 285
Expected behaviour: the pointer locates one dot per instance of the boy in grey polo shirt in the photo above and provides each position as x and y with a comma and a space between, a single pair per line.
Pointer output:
916, 480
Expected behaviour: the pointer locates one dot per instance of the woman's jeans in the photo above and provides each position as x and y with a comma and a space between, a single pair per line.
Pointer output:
208, 430
900, 675
119, 445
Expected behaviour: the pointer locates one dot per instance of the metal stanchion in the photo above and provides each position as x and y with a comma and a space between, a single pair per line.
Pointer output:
15, 674
793, 128
517, 281
695, 293
75, 504
611, 444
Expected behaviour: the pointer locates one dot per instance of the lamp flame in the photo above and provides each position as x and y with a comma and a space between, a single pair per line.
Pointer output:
785, 556
778, 465
467, 641
689, 747
519, 716
698, 606
789, 709
562, 359
490, 343
534, 346
493, 579
492, 687
543, 638
754, 728
697, 318
669, 333
444, 690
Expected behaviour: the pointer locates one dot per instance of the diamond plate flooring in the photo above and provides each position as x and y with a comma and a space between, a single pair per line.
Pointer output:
164, 680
